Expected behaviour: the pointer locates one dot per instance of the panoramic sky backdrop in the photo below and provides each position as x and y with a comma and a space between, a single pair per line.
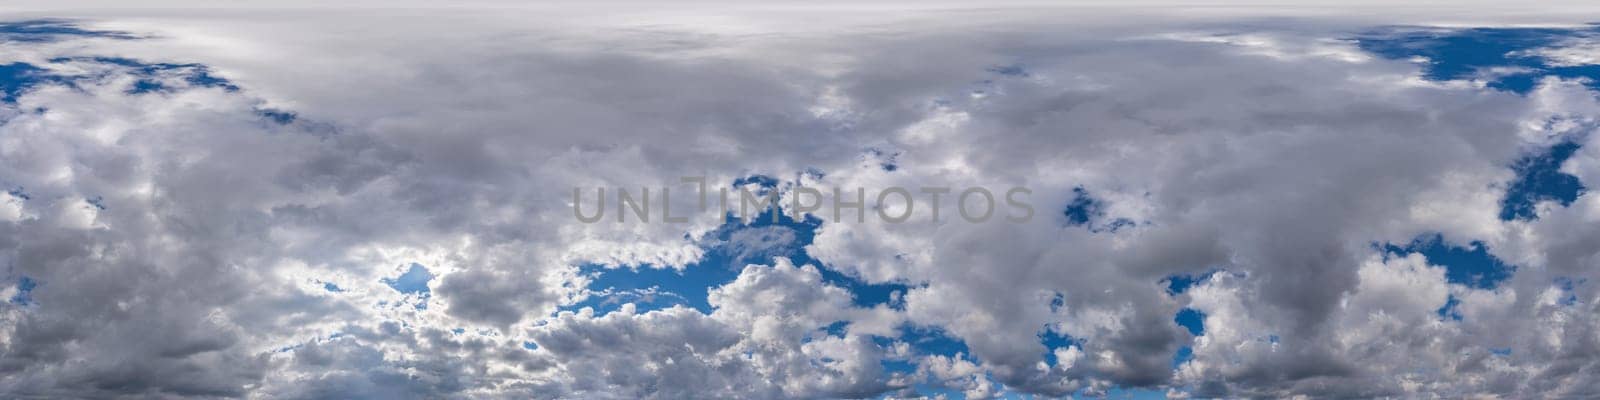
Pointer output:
377, 202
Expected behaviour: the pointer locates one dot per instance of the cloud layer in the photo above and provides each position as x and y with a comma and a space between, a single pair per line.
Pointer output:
378, 205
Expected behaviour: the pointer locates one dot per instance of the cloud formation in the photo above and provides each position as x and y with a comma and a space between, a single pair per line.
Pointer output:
343, 205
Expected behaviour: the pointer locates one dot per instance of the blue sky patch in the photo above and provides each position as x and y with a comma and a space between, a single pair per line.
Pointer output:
1086, 211
737, 243
147, 86
1053, 340
692, 283
150, 74
727, 250
1448, 310
279, 117
763, 181
1183, 355
1057, 301
1539, 178
1471, 53
838, 328
1082, 209
18, 78
1179, 283
413, 281
1192, 320
1472, 265
52, 30
933, 341
605, 301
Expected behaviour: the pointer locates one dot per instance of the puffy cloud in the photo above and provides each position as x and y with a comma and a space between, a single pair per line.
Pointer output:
767, 337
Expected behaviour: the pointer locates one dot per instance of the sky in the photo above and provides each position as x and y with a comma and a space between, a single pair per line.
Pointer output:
1262, 200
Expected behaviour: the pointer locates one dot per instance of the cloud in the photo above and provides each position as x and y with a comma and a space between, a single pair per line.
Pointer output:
179, 233
767, 337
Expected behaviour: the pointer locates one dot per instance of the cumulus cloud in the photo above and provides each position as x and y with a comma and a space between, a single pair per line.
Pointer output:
335, 204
